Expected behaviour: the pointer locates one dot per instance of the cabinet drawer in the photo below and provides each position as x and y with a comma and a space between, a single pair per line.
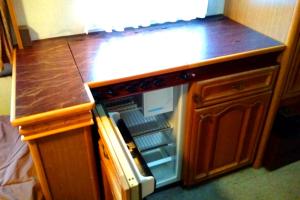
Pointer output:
229, 87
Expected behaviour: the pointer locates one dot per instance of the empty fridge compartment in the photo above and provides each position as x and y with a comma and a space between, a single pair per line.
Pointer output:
162, 162
151, 144
137, 124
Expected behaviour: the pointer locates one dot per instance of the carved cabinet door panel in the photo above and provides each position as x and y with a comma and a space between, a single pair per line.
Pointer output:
223, 137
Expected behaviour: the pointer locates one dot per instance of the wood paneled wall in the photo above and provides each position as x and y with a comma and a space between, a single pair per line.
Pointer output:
278, 19
270, 17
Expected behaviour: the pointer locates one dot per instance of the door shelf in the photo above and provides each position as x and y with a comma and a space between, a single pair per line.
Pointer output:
162, 163
160, 155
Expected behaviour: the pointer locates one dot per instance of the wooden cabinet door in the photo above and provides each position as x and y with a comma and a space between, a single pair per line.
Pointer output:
223, 137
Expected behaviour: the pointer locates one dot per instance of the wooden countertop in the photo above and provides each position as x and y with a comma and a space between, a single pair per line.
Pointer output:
113, 58
50, 74
47, 80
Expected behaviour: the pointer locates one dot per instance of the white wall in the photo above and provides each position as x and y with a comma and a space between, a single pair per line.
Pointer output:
49, 18
53, 18
215, 7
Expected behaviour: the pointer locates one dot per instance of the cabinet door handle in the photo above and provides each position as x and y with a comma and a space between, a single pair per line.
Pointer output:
196, 99
104, 152
239, 86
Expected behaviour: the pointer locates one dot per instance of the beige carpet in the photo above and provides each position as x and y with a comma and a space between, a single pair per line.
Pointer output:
5, 93
246, 184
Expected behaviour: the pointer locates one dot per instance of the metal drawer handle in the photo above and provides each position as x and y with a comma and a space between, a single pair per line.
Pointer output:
239, 86
104, 152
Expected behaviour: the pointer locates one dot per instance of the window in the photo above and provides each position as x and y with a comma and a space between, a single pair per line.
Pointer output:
115, 15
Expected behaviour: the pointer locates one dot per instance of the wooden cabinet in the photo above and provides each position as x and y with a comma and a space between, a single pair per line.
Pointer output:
60, 157
224, 136
293, 84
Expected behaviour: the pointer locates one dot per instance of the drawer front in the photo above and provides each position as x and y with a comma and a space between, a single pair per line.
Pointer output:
229, 87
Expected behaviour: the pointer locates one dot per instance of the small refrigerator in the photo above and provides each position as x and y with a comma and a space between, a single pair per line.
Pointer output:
141, 140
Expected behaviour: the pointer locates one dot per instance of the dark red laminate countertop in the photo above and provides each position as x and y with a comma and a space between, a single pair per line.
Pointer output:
112, 58
48, 79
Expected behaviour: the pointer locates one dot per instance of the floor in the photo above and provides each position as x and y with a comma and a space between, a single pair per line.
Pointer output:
246, 184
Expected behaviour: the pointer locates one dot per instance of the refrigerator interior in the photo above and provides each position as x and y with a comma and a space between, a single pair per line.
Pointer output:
158, 138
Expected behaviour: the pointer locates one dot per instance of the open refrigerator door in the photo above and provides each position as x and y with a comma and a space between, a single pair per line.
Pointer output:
156, 137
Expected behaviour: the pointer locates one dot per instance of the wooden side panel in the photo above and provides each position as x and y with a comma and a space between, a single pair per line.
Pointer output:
14, 22
293, 83
271, 17
280, 84
67, 163
40, 170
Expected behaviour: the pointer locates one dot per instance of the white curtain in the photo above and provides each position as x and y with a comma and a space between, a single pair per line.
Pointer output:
109, 15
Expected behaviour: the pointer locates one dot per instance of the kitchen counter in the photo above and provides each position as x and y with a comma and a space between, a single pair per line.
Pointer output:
113, 58
131, 55
50, 74
54, 78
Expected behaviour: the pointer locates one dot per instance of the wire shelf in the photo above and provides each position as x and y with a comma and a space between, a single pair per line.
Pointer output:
121, 105
138, 124
154, 139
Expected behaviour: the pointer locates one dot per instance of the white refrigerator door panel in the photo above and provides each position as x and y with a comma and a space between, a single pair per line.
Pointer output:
147, 183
